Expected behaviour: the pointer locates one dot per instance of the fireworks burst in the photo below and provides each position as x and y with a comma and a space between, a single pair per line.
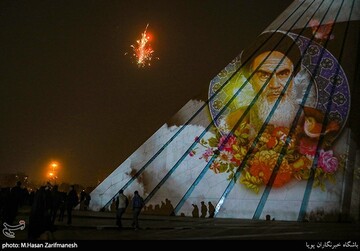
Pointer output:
142, 50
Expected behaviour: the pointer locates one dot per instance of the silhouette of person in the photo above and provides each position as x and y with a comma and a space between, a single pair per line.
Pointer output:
123, 203
39, 219
137, 205
203, 210
87, 201
56, 201
195, 211
117, 203
157, 209
12, 203
169, 207
82, 199
150, 209
211, 210
71, 201
162, 208
113, 206
62, 206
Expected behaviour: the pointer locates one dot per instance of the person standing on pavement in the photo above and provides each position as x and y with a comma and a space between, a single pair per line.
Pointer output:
211, 210
122, 205
203, 210
137, 205
72, 200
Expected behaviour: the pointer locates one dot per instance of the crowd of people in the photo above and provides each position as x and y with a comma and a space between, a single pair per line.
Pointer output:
47, 204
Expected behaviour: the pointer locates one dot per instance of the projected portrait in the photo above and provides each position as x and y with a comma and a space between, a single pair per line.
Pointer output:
269, 68
280, 104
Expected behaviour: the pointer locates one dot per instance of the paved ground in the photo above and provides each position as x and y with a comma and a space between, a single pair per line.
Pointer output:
101, 226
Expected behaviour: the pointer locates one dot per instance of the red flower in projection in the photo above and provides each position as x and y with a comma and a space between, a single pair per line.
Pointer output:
263, 164
307, 146
272, 142
230, 142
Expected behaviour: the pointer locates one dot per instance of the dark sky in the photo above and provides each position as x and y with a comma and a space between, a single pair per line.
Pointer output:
68, 93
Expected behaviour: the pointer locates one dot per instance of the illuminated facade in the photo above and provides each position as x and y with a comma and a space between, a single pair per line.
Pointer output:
274, 136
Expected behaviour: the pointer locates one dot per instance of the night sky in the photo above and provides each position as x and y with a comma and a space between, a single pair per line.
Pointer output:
69, 94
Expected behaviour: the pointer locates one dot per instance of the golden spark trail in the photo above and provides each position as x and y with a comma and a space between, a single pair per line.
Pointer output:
143, 51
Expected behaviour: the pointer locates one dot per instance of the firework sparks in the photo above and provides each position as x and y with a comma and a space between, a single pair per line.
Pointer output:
142, 50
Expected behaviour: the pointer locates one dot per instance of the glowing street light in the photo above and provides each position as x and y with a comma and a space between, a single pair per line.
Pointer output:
53, 172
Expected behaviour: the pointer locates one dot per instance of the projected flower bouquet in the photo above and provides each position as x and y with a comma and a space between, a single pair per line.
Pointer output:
256, 162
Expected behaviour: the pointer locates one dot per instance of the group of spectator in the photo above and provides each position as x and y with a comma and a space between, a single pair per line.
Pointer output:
47, 204
204, 210
122, 203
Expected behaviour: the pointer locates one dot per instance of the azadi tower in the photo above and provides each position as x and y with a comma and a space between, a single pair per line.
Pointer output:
277, 136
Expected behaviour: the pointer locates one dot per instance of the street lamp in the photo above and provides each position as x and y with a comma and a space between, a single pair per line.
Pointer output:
52, 174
